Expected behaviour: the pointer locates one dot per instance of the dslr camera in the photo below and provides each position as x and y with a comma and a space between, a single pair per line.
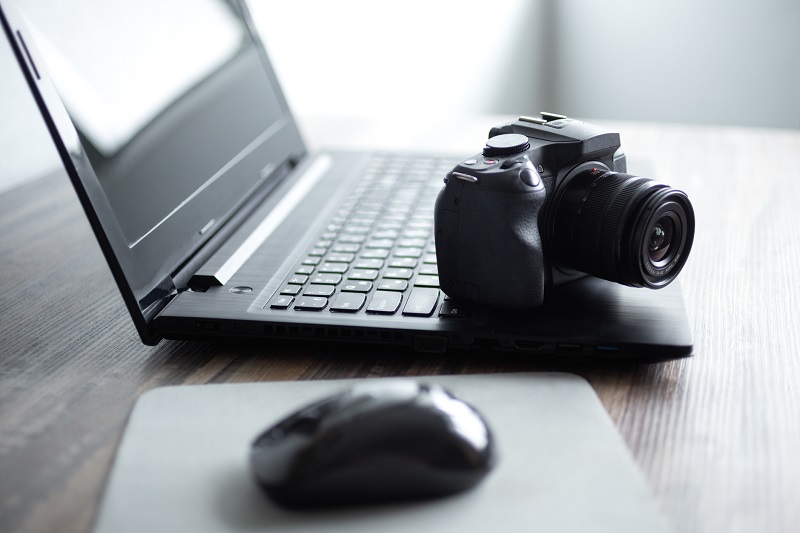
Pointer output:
548, 201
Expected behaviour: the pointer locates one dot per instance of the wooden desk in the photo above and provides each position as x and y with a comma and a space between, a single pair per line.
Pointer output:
717, 435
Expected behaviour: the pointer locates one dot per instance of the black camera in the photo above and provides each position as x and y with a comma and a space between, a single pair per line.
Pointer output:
548, 201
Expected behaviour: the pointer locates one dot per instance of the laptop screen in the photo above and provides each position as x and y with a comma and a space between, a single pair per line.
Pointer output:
168, 117
153, 108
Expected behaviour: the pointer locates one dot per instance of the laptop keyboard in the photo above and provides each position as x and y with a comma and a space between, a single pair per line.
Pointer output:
376, 255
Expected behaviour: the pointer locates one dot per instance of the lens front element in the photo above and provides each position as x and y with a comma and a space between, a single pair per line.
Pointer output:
661, 237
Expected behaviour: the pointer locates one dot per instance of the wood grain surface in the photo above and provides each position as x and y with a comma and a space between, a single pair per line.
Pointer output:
717, 435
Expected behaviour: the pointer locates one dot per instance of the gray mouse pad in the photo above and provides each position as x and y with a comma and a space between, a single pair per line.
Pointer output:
182, 465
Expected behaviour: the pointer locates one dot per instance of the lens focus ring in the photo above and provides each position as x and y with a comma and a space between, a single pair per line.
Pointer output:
598, 222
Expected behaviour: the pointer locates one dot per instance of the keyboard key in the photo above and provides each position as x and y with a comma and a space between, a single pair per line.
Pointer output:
389, 225
318, 251
297, 279
403, 262
453, 309
304, 269
351, 238
385, 303
393, 285
412, 243
385, 234
377, 253
333, 268
311, 303
373, 264
408, 252
348, 302
312, 260
429, 270
356, 286
319, 290
426, 281
429, 259
380, 243
366, 219
292, 290
326, 279
398, 273
421, 302
281, 302
368, 275
346, 248
357, 229
340, 258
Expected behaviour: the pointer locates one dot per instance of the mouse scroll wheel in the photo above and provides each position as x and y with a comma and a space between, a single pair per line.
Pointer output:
305, 425
506, 144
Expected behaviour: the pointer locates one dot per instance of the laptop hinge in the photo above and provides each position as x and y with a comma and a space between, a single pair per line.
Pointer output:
220, 270
184, 277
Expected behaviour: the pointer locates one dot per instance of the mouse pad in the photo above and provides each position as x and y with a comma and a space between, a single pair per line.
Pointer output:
183, 464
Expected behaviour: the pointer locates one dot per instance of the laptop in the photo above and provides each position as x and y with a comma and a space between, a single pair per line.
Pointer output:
217, 222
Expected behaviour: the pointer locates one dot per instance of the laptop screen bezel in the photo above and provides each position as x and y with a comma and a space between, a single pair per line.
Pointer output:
144, 273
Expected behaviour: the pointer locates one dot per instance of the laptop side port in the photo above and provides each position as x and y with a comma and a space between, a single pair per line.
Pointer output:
569, 348
606, 348
528, 346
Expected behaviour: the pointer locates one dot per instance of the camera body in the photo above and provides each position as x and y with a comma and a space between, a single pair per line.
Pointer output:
548, 201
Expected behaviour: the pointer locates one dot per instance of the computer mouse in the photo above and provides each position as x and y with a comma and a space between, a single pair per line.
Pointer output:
390, 440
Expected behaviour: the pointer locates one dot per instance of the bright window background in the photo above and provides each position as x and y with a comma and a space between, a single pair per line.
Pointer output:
728, 62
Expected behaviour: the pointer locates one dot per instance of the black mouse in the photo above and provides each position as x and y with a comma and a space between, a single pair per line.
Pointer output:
378, 442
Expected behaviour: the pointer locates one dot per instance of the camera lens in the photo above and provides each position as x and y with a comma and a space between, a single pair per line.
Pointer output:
623, 228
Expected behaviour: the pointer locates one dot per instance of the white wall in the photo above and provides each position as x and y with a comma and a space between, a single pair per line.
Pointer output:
360, 57
699, 61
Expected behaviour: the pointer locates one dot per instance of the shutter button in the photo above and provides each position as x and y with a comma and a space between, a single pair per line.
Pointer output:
511, 163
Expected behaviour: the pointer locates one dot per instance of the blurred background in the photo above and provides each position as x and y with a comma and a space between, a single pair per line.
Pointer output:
702, 62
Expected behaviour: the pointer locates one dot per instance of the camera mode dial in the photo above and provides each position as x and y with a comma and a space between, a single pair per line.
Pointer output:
506, 144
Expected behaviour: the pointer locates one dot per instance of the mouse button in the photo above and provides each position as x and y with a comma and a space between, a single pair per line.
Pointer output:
303, 425
387, 390
306, 420
370, 408
461, 418
364, 399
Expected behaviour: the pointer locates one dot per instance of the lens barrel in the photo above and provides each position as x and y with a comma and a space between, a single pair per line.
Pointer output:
623, 228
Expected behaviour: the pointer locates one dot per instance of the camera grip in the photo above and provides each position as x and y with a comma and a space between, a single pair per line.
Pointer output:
488, 245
